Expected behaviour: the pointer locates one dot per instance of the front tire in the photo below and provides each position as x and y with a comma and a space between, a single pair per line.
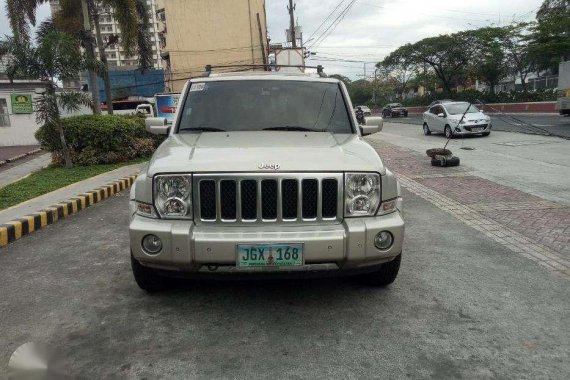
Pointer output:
385, 275
146, 278
448, 132
427, 131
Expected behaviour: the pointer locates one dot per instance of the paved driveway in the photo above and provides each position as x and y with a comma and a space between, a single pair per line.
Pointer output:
462, 307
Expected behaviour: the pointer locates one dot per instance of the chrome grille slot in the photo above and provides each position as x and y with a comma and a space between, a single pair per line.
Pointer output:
268, 198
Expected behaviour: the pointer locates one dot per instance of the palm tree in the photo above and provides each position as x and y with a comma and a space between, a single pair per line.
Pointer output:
55, 56
131, 15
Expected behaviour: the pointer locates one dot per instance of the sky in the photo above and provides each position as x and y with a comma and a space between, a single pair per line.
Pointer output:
371, 29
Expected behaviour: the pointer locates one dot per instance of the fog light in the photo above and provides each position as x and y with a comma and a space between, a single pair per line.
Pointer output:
383, 240
457, 129
151, 244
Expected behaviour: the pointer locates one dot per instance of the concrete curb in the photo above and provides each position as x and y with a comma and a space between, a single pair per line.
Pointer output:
15, 158
18, 228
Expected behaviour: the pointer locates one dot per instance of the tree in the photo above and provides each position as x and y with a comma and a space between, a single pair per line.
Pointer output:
55, 57
361, 92
399, 66
447, 55
131, 15
550, 42
489, 61
519, 60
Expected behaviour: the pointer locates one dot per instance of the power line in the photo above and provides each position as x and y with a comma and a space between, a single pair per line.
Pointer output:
333, 25
325, 20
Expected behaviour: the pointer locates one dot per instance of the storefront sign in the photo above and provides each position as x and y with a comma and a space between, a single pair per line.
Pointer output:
22, 103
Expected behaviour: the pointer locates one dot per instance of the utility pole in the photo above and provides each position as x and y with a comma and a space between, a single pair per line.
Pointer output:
291, 9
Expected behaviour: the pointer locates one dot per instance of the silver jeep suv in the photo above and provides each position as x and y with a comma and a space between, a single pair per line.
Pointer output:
265, 175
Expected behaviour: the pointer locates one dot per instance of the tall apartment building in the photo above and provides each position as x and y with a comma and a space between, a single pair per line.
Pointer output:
195, 33
109, 26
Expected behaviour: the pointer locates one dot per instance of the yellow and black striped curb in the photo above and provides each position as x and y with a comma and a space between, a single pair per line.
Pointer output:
16, 229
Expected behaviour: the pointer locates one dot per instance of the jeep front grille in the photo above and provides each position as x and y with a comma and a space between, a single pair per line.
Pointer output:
266, 198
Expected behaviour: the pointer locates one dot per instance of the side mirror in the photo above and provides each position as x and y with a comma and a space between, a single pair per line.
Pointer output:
157, 125
373, 125
440, 115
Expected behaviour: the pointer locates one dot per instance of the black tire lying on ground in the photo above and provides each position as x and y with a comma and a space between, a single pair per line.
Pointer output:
445, 161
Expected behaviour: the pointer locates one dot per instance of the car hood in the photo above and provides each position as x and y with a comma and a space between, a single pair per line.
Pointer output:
247, 151
470, 117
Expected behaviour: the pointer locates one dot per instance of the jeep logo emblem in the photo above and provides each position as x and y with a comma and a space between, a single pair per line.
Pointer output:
264, 166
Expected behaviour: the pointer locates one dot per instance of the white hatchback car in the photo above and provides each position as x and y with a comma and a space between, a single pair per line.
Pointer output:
448, 118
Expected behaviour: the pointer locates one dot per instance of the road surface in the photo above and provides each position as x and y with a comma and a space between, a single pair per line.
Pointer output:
554, 125
463, 306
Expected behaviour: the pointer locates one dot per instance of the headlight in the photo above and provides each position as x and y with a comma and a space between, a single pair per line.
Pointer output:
173, 196
362, 194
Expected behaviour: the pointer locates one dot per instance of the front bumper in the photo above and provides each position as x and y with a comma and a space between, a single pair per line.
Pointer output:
328, 248
472, 129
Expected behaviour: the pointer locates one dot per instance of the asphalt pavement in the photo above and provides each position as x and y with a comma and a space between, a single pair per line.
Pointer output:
463, 306
554, 125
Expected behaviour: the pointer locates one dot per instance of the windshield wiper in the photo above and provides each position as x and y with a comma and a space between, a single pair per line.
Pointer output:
294, 128
203, 129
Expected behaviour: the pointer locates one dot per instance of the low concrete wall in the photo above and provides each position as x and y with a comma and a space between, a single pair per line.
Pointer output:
534, 107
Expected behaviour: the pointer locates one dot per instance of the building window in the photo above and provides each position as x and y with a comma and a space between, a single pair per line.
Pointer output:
4, 117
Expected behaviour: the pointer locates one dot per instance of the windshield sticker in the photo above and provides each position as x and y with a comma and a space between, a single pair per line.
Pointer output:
198, 87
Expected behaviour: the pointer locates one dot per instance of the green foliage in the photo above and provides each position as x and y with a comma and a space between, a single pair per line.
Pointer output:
361, 92
50, 179
550, 40
489, 62
99, 139
399, 67
486, 97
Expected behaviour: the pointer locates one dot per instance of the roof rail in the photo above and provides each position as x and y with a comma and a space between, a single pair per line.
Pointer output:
267, 67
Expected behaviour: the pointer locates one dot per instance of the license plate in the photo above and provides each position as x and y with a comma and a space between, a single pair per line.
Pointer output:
477, 129
269, 255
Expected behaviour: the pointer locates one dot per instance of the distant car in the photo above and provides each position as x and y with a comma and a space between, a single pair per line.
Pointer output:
441, 101
394, 110
364, 109
446, 118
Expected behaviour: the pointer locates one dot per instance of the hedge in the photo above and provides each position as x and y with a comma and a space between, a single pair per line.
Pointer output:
486, 97
99, 139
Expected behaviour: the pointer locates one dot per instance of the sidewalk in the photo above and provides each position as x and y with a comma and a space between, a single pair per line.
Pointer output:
9, 152
534, 227
22, 170
65, 193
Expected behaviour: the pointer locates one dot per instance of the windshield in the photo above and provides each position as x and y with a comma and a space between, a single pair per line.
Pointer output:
256, 105
459, 108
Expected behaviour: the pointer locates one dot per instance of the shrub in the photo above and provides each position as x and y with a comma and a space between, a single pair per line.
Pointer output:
99, 139
486, 97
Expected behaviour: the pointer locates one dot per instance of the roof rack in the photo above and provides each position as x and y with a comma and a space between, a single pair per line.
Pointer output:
320, 68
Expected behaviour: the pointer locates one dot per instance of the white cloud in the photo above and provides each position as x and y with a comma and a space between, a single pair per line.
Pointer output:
373, 28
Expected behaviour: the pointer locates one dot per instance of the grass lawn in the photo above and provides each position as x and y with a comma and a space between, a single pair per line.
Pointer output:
49, 179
